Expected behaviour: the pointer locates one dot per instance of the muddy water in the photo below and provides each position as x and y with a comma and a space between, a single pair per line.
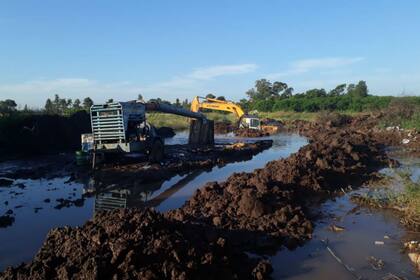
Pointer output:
34, 216
354, 246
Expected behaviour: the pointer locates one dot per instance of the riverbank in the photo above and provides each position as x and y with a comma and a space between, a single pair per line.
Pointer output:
271, 207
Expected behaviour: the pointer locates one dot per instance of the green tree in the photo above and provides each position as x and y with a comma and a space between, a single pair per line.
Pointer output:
177, 102
338, 90
110, 100
265, 90
76, 104
222, 98
212, 96
87, 103
7, 107
139, 97
49, 107
287, 93
361, 90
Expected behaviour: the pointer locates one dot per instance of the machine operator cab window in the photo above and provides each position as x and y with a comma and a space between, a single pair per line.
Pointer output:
254, 123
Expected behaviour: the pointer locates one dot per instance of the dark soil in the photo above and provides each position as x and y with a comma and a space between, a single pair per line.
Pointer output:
180, 159
206, 238
6, 220
136, 244
270, 202
223, 127
247, 132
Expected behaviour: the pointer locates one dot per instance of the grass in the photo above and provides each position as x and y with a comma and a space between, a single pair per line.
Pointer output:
406, 201
182, 123
406, 123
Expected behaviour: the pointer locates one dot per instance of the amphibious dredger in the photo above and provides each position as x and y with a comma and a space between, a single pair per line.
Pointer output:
121, 127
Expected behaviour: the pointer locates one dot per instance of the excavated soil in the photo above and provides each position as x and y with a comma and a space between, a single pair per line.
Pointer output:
206, 237
137, 244
246, 132
179, 159
408, 139
268, 204
223, 127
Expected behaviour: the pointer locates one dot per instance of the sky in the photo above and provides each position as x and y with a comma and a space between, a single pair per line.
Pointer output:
180, 49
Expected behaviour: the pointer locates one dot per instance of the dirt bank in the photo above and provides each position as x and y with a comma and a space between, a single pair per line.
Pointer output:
260, 210
246, 132
369, 125
269, 203
179, 159
135, 244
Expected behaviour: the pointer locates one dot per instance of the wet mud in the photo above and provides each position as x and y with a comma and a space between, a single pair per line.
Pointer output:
138, 244
208, 237
269, 204
179, 159
246, 132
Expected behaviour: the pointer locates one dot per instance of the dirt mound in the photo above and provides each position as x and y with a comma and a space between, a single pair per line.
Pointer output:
134, 244
180, 159
365, 124
247, 132
223, 127
165, 132
270, 200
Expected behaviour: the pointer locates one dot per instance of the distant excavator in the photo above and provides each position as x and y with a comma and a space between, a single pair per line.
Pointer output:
244, 120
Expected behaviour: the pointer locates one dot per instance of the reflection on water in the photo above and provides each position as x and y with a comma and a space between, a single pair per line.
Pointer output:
34, 206
173, 193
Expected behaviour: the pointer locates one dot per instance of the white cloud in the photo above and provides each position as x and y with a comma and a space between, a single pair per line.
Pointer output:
221, 70
307, 65
35, 92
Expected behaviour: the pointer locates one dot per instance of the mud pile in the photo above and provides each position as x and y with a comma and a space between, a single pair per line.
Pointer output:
135, 244
269, 202
223, 127
180, 159
247, 132
366, 124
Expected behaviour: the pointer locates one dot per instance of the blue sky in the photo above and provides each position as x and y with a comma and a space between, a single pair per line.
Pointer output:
170, 49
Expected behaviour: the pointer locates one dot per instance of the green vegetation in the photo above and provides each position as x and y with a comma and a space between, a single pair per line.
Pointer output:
404, 112
278, 96
7, 107
169, 120
406, 200
181, 123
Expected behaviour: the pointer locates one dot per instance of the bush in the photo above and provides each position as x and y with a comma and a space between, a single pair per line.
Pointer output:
39, 134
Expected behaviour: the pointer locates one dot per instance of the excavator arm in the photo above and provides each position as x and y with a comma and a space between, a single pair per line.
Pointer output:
199, 103
216, 104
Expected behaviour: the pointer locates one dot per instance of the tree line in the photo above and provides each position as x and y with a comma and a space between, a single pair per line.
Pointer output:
278, 96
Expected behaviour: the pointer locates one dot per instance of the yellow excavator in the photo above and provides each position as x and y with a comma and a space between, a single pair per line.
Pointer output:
244, 120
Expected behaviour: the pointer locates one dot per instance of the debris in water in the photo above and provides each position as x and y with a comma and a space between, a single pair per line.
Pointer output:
336, 228
379, 243
6, 221
376, 264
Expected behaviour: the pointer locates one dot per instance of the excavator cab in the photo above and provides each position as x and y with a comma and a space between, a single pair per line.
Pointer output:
250, 122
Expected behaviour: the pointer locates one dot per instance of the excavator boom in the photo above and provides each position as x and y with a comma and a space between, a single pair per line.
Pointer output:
199, 103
